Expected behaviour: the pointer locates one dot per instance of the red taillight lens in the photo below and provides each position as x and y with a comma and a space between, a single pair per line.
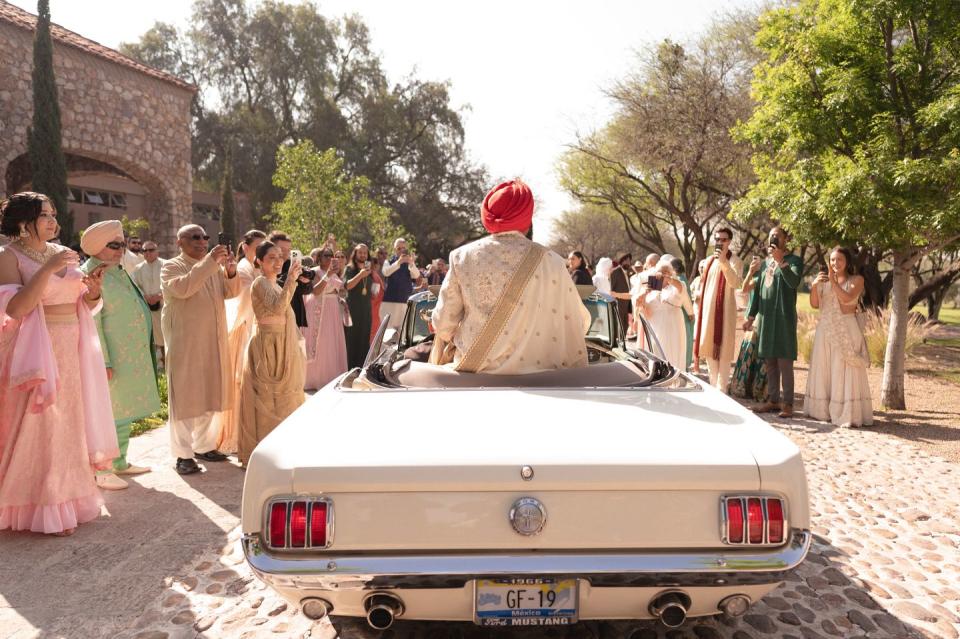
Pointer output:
774, 521
278, 525
298, 525
755, 520
735, 521
318, 525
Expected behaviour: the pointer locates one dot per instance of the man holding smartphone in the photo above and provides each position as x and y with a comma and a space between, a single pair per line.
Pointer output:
716, 322
400, 272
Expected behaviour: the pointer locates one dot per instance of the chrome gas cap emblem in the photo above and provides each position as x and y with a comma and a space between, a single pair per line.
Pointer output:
527, 516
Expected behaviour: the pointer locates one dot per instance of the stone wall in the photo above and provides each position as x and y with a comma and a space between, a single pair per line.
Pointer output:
110, 112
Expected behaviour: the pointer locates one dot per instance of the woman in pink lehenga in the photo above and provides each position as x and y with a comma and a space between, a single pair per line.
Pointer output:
56, 421
326, 347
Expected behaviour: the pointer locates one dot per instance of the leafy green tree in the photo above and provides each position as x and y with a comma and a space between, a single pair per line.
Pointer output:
278, 73
856, 134
228, 207
137, 227
45, 147
321, 198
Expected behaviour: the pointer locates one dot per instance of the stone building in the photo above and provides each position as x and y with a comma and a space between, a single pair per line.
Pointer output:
126, 129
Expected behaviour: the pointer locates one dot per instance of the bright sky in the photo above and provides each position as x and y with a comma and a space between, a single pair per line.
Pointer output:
531, 71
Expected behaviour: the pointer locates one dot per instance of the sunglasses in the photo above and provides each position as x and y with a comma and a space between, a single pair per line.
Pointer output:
196, 237
326, 255
116, 245
153, 250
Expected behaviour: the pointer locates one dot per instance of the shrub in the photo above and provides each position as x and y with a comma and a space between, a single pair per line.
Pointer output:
877, 328
159, 418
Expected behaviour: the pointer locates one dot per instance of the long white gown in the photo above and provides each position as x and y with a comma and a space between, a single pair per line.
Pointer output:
666, 319
838, 389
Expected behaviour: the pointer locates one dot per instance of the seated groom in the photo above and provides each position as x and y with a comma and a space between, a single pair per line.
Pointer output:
507, 304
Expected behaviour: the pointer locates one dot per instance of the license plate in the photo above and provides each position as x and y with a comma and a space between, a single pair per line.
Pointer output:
526, 602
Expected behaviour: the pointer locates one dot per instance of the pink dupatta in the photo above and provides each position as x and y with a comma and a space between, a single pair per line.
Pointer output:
28, 365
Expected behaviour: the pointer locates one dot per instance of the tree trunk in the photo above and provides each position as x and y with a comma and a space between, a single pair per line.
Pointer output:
934, 304
892, 389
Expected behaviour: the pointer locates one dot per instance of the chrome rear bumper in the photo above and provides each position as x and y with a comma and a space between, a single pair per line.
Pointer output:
740, 566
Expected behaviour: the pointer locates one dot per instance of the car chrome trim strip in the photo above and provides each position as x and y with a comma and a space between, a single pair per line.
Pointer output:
754, 565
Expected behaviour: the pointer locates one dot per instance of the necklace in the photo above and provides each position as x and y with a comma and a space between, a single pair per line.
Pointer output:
37, 256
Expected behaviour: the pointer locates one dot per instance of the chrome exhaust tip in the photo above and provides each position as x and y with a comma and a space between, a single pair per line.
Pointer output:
671, 608
382, 609
735, 605
315, 608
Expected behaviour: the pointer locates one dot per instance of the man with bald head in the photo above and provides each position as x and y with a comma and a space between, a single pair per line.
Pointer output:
194, 286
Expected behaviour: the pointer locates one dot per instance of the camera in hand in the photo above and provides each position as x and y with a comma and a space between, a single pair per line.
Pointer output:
655, 282
224, 239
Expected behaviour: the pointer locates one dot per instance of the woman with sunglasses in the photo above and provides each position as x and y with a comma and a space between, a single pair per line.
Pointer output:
56, 426
125, 326
326, 348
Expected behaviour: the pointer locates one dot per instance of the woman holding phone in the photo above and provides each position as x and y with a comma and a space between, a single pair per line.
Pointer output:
358, 284
56, 425
662, 298
326, 349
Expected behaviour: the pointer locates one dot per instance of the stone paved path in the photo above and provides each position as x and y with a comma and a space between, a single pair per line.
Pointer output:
885, 563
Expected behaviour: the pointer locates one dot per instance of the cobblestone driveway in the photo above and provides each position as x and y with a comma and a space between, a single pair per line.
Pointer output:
885, 563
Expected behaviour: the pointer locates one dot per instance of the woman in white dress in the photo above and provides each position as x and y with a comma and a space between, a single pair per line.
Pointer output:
838, 390
602, 278
662, 298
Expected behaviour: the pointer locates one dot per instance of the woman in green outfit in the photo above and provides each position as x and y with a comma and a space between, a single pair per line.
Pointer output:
358, 300
125, 326
774, 309
749, 379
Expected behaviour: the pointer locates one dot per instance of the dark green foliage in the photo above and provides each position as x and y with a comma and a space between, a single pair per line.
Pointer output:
47, 162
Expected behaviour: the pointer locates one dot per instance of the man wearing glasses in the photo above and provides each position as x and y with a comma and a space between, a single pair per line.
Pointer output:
194, 286
147, 278
716, 323
133, 255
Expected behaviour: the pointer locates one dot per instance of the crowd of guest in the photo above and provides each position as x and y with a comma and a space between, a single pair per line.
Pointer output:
241, 334
696, 323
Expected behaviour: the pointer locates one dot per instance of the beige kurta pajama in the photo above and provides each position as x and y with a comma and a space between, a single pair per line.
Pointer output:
198, 360
547, 327
731, 269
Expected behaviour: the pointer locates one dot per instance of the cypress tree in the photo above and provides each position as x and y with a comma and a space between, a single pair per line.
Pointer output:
47, 162
228, 215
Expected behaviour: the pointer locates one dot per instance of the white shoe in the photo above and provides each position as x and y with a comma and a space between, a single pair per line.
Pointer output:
133, 470
109, 481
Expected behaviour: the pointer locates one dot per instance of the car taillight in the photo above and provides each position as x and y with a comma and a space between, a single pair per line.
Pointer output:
735, 521
753, 519
300, 523
278, 525
318, 525
774, 521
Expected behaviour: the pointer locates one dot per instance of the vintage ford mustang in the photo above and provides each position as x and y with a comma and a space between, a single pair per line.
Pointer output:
624, 490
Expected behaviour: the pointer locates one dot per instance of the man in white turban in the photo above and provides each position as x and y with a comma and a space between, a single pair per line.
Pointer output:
125, 329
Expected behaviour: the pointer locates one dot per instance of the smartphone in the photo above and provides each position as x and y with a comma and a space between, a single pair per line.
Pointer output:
224, 239
655, 282
296, 257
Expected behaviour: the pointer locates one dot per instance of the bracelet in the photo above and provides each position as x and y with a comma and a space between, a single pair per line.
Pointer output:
93, 299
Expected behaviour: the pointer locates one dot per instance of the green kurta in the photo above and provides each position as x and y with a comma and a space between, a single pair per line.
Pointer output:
126, 337
774, 308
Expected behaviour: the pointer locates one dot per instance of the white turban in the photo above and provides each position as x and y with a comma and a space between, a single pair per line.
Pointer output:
96, 237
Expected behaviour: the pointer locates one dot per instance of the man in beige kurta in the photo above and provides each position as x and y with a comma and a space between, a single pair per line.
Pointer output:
194, 286
546, 324
716, 321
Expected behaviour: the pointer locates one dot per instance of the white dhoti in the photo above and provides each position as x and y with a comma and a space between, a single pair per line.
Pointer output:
193, 435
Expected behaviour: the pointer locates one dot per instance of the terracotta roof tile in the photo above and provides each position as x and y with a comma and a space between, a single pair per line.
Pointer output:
25, 20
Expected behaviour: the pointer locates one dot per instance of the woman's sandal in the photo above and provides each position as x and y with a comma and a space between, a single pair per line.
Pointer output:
64, 533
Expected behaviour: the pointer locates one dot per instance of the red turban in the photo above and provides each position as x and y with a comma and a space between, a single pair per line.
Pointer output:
508, 207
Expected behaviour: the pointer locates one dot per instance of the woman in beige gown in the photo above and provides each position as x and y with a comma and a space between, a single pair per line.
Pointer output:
241, 328
274, 368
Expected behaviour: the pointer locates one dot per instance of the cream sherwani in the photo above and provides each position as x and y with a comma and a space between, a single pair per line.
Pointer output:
147, 278
546, 330
732, 270
198, 359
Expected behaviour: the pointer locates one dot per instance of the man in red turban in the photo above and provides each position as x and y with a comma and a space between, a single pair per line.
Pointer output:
508, 305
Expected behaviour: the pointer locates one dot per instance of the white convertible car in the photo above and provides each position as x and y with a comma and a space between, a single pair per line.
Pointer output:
624, 490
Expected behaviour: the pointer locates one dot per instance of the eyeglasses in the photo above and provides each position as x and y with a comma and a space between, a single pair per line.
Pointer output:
720, 238
153, 250
326, 255
116, 245
196, 237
